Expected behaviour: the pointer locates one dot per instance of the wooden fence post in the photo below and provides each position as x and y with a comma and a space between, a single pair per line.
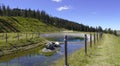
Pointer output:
0, 36
38, 34
85, 44
65, 47
32, 35
3, 36
26, 35
94, 38
18, 36
101, 35
97, 36
91, 40
6, 38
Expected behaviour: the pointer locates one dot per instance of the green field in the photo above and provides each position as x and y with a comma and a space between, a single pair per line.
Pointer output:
105, 53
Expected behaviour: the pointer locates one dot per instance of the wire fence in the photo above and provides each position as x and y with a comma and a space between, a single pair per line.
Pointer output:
93, 38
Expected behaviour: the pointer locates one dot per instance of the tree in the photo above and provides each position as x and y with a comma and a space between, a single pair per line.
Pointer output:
99, 29
110, 31
1, 14
46, 18
4, 10
8, 10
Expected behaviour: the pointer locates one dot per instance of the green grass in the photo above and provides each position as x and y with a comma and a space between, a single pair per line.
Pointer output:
48, 53
20, 24
13, 41
14, 37
105, 53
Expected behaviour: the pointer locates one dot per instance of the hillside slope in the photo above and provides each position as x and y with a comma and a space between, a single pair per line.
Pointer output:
20, 24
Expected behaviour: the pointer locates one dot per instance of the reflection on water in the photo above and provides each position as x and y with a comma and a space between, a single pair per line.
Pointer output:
36, 58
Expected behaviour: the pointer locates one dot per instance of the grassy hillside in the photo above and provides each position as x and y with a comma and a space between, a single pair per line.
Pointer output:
20, 24
25, 37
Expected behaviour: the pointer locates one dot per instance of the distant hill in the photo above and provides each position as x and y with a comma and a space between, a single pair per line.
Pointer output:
20, 24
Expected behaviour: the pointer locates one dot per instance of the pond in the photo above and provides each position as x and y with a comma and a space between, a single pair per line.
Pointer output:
35, 57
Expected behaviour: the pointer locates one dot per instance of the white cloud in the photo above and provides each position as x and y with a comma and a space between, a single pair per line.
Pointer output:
63, 8
57, 0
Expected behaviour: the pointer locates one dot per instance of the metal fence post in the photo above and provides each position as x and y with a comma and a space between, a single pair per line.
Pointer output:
3, 36
65, 47
6, 38
18, 35
85, 44
32, 35
26, 35
101, 35
97, 36
94, 38
91, 40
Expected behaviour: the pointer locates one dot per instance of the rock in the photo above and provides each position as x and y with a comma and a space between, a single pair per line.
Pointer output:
57, 43
51, 46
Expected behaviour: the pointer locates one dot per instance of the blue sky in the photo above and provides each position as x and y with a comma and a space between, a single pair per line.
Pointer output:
105, 13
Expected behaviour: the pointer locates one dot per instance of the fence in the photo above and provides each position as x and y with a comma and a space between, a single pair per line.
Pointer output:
95, 36
5, 38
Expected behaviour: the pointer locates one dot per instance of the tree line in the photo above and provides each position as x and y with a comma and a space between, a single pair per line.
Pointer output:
46, 18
